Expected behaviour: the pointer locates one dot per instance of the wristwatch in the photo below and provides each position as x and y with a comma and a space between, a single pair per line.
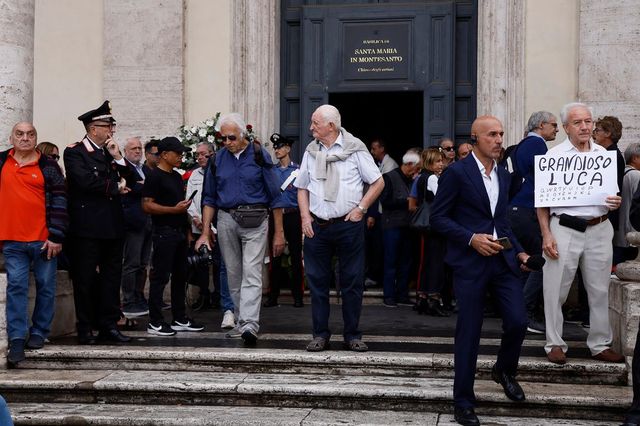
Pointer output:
362, 209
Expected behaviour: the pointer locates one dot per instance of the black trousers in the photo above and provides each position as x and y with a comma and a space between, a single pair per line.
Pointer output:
96, 270
293, 234
169, 259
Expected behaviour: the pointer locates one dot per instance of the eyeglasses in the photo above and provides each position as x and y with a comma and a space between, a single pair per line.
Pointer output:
202, 154
597, 129
107, 126
230, 137
449, 148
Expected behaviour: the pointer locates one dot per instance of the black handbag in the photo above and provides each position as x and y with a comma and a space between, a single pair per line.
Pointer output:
420, 219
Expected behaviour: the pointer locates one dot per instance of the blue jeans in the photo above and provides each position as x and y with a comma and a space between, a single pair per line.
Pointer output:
346, 239
397, 262
225, 298
19, 257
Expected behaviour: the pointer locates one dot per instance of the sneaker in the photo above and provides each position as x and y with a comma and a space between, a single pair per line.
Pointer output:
135, 312
390, 303
250, 337
16, 352
234, 333
536, 327
160, 329
35, 342
186, 324
228, 320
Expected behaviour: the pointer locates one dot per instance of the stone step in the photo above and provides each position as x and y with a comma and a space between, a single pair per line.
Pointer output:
289, 361
329, 391
170, 415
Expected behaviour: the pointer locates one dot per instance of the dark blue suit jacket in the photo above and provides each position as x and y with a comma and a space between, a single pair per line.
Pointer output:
461, 208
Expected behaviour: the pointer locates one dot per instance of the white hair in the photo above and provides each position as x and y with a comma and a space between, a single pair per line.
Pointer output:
330, 114
537, 118
564, 112
235, 119
411, 157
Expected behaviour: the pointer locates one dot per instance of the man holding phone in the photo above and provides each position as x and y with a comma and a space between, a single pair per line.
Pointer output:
470, 209
163, 199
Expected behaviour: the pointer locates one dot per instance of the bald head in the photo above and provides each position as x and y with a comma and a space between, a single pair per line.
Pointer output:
487, 131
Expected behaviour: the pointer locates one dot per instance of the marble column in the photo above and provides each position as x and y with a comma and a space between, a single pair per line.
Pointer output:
501, 64
608, 62
16, 67
144, 65
255, 64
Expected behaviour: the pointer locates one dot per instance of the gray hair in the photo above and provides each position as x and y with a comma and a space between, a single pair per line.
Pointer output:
537, 118
633, 150
209, 145
564, 112
411, 157
234, 119
123, 144
330, 114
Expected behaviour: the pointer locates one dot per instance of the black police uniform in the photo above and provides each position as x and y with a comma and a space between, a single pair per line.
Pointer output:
96, 233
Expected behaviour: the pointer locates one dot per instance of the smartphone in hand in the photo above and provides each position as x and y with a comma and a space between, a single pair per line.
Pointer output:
193, 194
505, 243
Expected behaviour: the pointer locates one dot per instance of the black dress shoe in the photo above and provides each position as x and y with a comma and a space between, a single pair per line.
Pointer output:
465, 416
86, 338
270, 303
509, 383
113, 335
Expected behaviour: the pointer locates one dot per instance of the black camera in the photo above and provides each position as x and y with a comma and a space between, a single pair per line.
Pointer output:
203, 256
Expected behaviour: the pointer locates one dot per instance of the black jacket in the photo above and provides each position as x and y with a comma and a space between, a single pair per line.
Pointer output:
95, 207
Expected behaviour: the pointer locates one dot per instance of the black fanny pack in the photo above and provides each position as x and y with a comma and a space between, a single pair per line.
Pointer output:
249, 216
573, 222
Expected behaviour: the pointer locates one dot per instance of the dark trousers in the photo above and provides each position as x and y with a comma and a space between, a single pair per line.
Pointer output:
169, 259
96, 294
470, 289
633, 415
374, 269
346, 240
293, 234
397, 263
432, 266
136, 253
525, 226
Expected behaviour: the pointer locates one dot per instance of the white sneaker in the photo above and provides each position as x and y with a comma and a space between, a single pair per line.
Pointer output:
228, 321
234, 333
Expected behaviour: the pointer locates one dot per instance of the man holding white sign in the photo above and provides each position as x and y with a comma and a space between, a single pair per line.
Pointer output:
576, 231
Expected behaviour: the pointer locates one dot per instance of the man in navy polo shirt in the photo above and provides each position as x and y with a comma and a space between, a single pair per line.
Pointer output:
240, 186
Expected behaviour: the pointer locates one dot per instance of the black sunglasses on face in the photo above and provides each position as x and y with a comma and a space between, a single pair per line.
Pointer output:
449, 148
54, 156
230, 137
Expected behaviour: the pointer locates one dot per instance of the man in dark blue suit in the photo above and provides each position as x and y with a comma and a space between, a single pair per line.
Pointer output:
470, 208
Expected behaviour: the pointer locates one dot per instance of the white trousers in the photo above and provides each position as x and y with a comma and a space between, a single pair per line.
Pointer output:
591, 250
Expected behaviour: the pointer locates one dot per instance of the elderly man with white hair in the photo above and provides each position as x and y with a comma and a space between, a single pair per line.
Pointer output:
575, 236
335, 167
395, 230
241, 185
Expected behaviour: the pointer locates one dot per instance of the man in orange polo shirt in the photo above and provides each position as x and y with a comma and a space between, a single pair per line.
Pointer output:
31, 231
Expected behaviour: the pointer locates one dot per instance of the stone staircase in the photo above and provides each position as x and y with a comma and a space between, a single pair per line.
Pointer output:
204, 378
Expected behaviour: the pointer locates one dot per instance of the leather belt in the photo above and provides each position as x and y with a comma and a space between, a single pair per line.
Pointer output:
244, 206
597, 220
325, 222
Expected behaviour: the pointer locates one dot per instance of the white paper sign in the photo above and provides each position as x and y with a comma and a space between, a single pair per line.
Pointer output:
575, 179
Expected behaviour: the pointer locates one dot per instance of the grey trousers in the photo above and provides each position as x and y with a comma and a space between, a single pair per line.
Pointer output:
243, 251
592, 250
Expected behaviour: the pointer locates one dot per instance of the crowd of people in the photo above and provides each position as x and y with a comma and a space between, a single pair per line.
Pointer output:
122, 217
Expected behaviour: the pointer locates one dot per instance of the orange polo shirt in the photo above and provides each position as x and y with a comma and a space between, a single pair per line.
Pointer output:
22, 202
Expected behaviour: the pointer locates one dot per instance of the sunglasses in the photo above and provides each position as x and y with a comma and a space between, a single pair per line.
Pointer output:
54, 156
230, 137
449, 148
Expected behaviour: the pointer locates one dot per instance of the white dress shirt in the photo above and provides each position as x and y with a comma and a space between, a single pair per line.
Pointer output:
492, 185
358, 169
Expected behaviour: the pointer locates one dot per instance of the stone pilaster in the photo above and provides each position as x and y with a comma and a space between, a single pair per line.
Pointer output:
609, 59
144, 65
16, 67
256, 63
501, 64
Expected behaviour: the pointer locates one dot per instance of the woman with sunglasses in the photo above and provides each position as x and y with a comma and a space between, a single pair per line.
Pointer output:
49, 149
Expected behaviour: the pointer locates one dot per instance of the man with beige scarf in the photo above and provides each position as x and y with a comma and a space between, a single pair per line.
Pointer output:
334, 170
